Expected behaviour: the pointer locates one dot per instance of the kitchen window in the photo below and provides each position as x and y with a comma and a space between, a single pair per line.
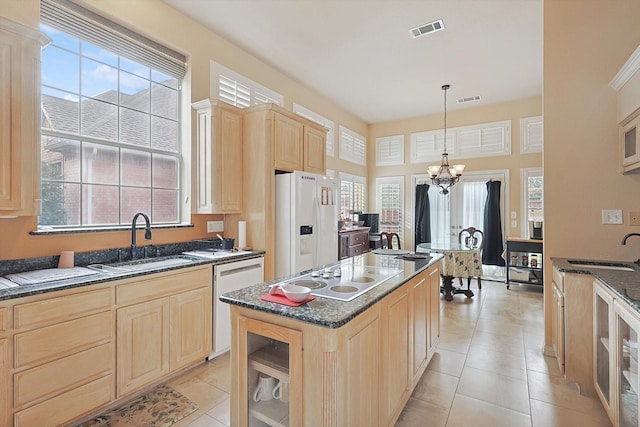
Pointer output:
390, 199
240, 91
111, 141
352, 195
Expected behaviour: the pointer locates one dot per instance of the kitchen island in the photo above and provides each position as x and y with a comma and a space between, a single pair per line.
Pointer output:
343, 362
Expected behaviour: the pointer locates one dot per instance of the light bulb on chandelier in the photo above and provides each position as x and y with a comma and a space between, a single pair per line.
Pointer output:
444, 175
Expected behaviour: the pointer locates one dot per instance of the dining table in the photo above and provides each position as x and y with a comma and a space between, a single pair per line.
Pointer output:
459, 260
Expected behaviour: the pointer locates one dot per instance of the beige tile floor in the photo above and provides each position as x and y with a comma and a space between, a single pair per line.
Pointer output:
488, 370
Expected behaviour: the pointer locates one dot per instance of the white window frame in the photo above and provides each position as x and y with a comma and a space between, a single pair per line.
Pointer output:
390, 150
531, 135
253, 92
428, 146
355, 179
353, 146
525, 174
328, 124
394, 180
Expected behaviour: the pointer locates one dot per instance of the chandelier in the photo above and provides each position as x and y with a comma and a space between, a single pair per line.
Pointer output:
445, 176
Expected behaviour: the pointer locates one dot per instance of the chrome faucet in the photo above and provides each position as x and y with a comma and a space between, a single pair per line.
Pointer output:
147, 232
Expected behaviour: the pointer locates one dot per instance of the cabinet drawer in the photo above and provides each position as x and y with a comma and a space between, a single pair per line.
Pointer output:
61, 309
62, 375
558, 278
46, 344
163, 284
358, 238
356, 250
67, 406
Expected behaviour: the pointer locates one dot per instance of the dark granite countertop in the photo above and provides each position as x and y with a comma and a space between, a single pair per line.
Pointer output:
625, 284
329, 312
58, 285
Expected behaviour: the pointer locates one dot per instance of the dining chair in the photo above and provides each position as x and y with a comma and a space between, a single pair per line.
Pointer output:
386, 240
471, 238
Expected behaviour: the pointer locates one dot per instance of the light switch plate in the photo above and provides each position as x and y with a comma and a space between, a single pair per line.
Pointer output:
215, 226
514, 215
612, 216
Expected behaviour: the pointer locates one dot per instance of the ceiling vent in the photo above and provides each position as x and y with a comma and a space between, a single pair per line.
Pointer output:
427, 28
469, 99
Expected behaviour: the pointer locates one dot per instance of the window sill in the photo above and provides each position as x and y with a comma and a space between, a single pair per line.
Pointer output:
51, 231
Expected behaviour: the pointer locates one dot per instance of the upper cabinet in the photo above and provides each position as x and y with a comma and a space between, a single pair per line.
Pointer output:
218, 158
627, 85
298, 144
20, 53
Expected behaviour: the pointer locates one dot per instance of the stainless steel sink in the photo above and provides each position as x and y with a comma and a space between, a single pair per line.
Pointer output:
141, 265
601, 265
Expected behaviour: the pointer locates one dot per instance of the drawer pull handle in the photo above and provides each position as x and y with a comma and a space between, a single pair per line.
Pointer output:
239, 269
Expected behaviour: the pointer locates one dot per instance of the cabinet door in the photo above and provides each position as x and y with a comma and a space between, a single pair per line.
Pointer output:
314, 150
395, 356
343, 249
362, 373
274, 351
604, 361
557, 326
627, 327
288, 143
4, 373
20, 118
190, 327
420, 299
231, 161
629, 139
142, 344
434, 309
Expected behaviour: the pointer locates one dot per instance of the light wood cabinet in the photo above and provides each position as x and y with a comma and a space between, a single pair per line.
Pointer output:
143, 344
63, 356
626, 83
274, 140
627, 385
604, 348
20, 52
275, 351
288, 145
218, 158
315, 142
359, 374
5, 409
163, 325
395, 351
573, 298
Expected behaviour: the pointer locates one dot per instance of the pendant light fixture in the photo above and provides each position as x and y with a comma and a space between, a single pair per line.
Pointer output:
445, 176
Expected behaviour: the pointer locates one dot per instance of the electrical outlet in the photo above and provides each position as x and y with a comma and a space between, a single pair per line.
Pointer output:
215, 226
612, 216
634, 218
514, 224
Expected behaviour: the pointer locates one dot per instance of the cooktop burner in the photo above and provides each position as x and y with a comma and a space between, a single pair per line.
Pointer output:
344, 282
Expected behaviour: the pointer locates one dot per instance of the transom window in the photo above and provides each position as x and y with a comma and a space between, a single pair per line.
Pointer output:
110, 135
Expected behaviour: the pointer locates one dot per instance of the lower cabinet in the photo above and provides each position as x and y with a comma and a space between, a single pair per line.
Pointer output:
359, 374
67, 354
604, 357
162, 335
395, 357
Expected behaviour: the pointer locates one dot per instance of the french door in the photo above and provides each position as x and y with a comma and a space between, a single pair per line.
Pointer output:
464, 205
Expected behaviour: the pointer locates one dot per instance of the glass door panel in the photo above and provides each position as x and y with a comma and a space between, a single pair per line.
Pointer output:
627, 341
602, 347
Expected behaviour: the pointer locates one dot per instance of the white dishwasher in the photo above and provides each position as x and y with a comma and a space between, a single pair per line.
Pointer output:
230, 277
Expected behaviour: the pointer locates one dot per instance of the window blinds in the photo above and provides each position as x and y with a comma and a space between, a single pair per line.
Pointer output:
86, 25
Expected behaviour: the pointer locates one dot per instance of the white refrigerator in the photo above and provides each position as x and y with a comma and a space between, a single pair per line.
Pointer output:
306, 222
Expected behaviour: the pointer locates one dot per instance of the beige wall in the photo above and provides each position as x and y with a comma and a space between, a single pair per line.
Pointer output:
158, 21
513, 111
586, 43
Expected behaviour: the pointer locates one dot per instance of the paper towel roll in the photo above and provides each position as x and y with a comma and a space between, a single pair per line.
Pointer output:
242, 234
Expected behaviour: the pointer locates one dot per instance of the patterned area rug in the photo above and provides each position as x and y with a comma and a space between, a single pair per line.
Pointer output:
160, 407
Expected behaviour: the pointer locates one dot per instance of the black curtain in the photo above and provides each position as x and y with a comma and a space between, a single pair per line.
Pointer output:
422, 216
493, 247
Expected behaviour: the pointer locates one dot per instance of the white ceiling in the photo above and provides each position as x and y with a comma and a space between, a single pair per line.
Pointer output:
359, 54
